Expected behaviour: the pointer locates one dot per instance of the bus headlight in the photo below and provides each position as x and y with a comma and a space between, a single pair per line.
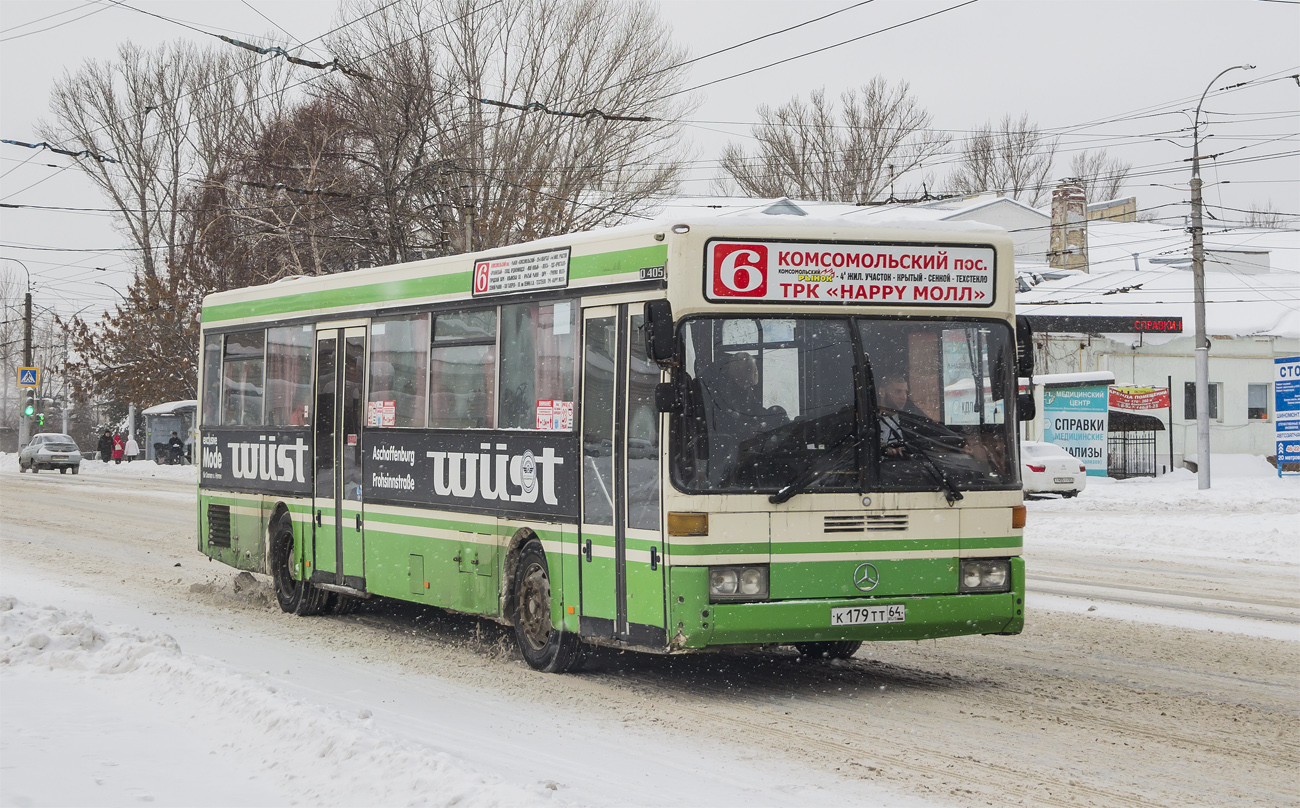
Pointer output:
738, 583
985, 575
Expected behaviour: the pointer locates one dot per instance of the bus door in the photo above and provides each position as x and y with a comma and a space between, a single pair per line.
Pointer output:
338, 551
620, 550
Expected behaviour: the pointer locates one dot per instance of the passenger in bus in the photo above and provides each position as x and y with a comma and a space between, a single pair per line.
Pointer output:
738, 391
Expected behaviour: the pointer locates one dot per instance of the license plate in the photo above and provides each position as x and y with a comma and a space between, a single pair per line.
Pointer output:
860, 615
60, 457
1064, 480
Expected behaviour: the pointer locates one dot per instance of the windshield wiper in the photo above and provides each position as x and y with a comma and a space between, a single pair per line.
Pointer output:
810, 475
951, 492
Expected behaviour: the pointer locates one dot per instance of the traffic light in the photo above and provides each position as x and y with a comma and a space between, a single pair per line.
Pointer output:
30, 407
40, 419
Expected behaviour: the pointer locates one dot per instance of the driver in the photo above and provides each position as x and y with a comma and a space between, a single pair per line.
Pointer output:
893, 396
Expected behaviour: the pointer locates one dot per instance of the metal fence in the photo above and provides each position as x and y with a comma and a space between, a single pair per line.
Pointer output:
1131, 454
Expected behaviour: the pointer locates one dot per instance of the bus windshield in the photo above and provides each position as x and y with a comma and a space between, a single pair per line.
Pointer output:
845, 404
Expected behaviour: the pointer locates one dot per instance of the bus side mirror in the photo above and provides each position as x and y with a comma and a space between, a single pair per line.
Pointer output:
667, 398
660, 341
1024, 348
1025, 407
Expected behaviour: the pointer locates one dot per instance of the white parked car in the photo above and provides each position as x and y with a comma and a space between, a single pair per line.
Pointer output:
50, 450
1048, 469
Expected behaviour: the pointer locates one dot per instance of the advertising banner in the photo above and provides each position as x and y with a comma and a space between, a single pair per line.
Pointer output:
1139, 399
1286, 408
837, 273
525, 472
257, 459
1074, 418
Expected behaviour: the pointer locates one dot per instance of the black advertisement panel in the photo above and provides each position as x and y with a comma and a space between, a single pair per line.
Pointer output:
532, 473
257, 459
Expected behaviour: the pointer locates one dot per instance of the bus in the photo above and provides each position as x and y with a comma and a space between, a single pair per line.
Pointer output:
711, 433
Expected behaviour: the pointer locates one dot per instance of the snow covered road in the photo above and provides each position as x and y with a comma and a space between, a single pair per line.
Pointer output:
133, 670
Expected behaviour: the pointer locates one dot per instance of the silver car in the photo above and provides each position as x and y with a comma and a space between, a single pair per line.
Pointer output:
50, 450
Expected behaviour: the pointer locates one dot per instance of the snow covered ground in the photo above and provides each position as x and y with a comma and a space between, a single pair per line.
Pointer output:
135, 470
111, 700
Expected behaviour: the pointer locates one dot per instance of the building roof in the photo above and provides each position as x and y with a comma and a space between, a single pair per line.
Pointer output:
1143, 269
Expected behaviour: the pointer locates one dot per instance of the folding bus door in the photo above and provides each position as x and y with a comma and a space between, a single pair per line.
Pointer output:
643, 617
621, 547
597, 562
339, 549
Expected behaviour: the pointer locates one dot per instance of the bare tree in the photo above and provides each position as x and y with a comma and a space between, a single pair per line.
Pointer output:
1265, 217
436, 162
1014, 157
1101, 175
813, 151
132, 110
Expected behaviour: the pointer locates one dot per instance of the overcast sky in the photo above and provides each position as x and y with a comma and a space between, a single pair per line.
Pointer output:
1102, 74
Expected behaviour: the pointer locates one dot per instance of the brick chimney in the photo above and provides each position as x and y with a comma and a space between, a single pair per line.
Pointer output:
1069, 243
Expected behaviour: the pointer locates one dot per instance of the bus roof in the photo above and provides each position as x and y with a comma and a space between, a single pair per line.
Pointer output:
596, 260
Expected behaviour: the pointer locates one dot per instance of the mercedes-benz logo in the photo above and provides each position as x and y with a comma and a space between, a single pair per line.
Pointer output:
866, 576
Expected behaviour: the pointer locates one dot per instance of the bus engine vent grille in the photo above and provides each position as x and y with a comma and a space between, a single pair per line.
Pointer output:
843, 524
887, 521
219, 525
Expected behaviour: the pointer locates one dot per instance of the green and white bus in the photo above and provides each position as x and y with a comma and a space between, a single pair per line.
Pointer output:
673, 436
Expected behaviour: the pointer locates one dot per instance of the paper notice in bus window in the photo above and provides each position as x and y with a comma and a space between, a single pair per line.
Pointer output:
381, 413
521, 273
554, 415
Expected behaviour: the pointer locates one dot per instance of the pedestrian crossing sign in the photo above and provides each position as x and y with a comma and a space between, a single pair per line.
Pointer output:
29, 377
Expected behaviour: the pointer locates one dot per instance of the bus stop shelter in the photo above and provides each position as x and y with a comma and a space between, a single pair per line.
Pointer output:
164, 419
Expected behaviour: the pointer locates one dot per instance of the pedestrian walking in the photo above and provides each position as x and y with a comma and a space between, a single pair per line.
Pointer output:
132, 448
119, 447
105, 446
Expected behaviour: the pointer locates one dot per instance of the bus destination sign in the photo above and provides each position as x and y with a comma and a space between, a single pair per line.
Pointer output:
888, 274
508, 274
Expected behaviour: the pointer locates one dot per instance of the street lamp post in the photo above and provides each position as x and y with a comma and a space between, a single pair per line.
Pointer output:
24, 425
1202, 344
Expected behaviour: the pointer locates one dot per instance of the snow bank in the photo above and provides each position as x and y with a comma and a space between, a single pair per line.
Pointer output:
1248, 513
151, 700
136, 470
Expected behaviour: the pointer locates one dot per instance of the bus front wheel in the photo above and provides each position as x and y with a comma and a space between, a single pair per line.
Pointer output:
544, 647
841, 649
295, 596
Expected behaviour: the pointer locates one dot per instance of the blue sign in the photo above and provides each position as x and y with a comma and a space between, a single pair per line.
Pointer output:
1286, 410
29, 377
1074, 418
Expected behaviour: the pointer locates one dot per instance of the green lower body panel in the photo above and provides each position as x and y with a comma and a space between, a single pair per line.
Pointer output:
700, 624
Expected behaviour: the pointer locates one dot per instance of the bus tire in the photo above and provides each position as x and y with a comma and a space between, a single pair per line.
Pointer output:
294, 596
839, 649
544, 647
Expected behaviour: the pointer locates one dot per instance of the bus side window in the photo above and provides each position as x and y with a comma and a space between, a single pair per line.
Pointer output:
399, 374
241, 378
462, 370
538, 364
211, 380
288, 375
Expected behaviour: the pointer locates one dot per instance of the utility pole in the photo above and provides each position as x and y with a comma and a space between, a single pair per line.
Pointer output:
1202, 343
24, 423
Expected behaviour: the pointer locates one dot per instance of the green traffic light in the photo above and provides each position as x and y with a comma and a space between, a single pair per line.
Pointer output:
29, 410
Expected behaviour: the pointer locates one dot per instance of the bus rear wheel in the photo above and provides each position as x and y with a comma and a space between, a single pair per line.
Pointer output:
840, 649
295, 596
544, 647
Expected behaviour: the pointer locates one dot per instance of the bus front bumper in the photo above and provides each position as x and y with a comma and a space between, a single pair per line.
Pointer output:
792, 621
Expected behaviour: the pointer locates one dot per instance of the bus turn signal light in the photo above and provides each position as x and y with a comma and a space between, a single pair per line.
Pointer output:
688, 524
1018, 517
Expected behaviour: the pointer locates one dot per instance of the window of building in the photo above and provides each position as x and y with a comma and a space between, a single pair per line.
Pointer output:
537, 366
399, 371
288, 375
462, 370
1257, 402
212, 380
1189, 401
241, 379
